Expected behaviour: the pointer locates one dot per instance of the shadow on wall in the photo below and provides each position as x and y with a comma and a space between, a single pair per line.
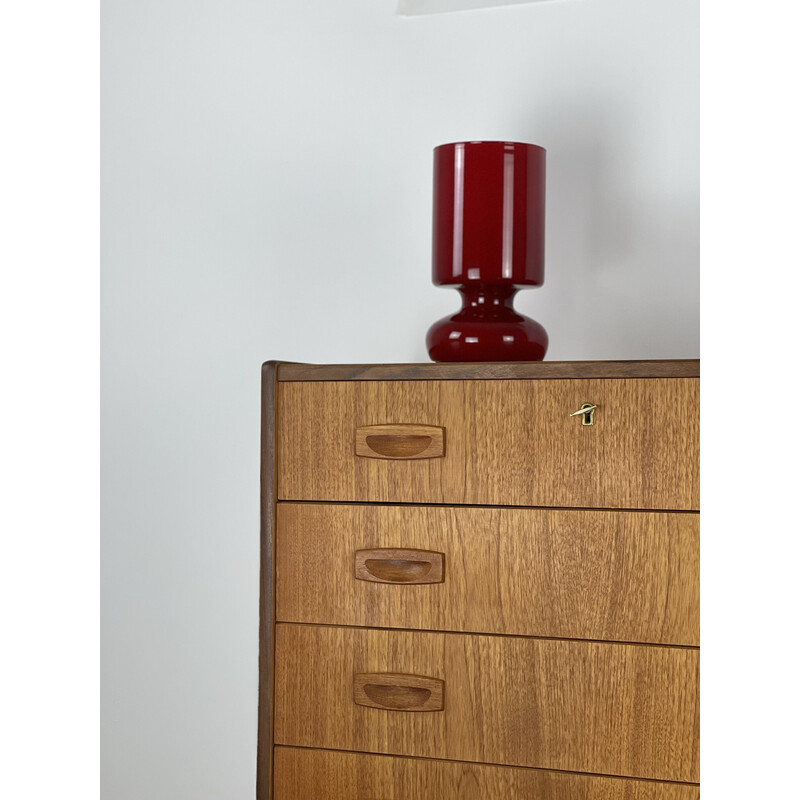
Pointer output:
588, 214
611, 240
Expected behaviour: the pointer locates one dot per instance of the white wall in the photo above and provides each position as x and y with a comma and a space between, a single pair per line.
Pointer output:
266, 176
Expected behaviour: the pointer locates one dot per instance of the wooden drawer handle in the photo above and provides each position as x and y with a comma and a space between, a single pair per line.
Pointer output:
393, 691
390, 565
404, 442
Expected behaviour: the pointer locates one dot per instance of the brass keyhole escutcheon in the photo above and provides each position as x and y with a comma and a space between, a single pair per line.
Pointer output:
586, 413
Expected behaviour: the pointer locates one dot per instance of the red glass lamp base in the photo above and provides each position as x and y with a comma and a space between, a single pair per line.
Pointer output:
487, 329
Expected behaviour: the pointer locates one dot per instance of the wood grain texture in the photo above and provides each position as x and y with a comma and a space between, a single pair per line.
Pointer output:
614, 709
266, 634
508, 442
509, 370
626, 576
330, 775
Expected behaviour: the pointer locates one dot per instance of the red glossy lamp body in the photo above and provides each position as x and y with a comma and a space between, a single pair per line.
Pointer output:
488, 241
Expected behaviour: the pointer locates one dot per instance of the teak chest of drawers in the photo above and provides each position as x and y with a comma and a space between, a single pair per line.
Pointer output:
480, 582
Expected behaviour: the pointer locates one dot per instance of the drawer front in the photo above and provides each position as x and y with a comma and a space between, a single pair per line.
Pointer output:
614, 709
331, 775
629, 576
491, 442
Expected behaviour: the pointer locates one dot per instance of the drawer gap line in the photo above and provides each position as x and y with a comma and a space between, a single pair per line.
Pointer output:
489, 764
480, 633
283, 501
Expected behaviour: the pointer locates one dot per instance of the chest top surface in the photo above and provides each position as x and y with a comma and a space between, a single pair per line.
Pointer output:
529, 370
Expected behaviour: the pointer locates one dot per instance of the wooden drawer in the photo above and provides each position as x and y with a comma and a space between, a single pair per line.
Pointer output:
614, 709
331, 775
507, 442
616, 575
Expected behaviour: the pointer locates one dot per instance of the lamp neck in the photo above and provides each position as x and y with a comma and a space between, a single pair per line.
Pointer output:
485, 299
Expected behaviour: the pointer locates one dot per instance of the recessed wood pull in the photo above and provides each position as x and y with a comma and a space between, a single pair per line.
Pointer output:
391, 565
405, 441
393, 691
